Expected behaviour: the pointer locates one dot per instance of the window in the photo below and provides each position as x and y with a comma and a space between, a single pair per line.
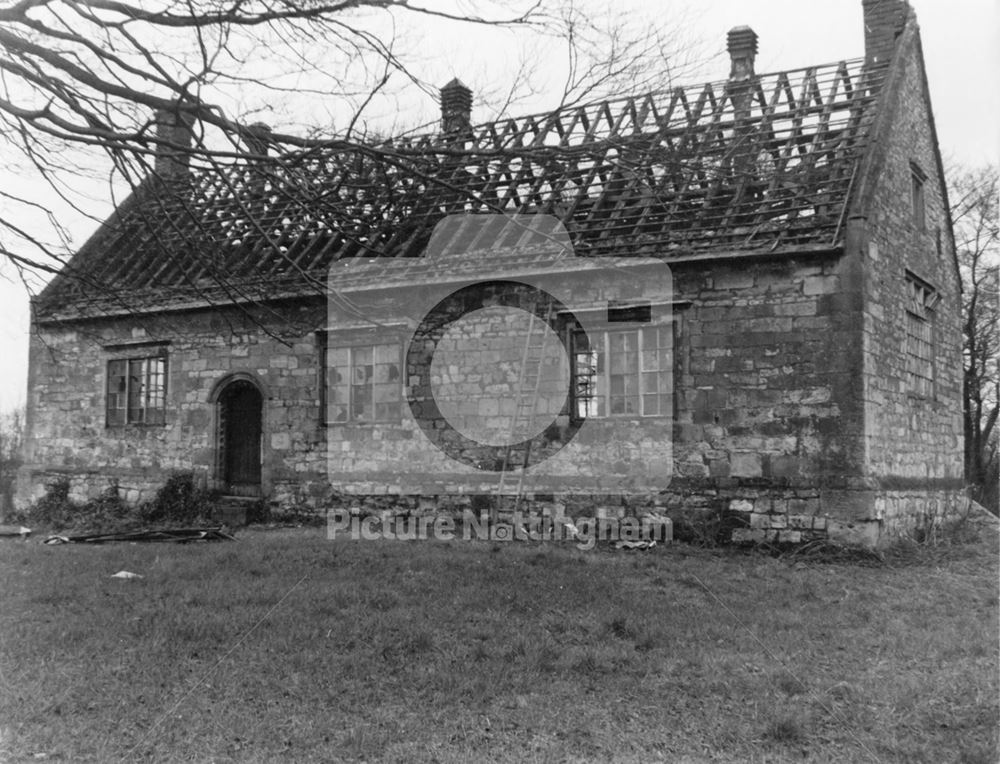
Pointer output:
624, 373
322, 376
917, 180
919, 356
137, 391
363, 383
921, 300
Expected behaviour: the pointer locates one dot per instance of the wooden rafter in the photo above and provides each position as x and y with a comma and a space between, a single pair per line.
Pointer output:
722, 166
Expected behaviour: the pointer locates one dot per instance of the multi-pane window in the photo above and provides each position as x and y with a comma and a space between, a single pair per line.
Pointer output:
137, 391
919, 355
623, 373
364, 383
921, 300
917, 180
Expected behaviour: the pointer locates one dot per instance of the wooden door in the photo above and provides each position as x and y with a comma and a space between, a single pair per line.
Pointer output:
240, 412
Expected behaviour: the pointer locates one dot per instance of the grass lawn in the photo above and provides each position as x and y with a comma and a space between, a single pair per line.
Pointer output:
284, 646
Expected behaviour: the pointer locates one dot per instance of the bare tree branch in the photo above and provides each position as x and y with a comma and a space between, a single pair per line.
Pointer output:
976, 216
81, 82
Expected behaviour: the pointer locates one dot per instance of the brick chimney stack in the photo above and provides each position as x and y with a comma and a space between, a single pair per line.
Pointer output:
742, 46
456, 107
174, 139
884, 21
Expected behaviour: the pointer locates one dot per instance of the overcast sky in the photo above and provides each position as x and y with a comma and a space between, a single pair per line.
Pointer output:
961, 42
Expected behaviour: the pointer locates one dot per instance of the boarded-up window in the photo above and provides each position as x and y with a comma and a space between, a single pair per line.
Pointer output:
624, 373
364, 383
921, 300
137, 391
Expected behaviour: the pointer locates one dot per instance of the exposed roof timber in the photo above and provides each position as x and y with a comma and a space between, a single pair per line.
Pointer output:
763, 164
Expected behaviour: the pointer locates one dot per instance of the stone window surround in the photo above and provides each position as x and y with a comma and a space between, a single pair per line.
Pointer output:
666, 410
124, 355
919, 317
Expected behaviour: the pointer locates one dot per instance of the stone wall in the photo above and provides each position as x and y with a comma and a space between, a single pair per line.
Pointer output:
763, 398
913, 436
67, 432
765, 383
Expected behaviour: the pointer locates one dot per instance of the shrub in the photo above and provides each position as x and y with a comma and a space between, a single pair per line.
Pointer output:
54, 509
105, 513
707, 527
57, 511
179, 500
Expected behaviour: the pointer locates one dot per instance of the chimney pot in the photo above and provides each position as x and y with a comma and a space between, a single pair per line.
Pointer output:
456, 107
742, 46
884, 21
174, 138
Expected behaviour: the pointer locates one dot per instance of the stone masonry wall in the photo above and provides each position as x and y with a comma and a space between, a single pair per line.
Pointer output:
760, 390
765, 380
762, 371
67, 434
766, 422
913, 440
767, 408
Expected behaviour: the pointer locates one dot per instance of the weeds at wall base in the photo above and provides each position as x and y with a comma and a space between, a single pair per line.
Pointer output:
178, 502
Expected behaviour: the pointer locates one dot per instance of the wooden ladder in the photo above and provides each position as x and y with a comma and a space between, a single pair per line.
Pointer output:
530, 377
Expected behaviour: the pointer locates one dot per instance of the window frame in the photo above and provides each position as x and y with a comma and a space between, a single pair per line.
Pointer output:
328, 351
603, 373
921, 365
152, 392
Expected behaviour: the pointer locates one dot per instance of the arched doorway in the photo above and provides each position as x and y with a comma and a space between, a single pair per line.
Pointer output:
240, 427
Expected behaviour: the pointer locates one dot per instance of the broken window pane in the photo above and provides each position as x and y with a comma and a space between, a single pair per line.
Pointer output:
137, 391
364, 383
637, 378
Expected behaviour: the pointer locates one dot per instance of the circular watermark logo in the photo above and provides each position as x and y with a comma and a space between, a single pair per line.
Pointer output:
500, 375
493, 375
499, 350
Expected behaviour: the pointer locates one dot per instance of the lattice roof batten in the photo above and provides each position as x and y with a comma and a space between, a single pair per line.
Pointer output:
759, 164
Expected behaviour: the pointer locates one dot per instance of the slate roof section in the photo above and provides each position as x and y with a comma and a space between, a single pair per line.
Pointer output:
731, 167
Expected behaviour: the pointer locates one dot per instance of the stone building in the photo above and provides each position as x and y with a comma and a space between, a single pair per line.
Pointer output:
798, 365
